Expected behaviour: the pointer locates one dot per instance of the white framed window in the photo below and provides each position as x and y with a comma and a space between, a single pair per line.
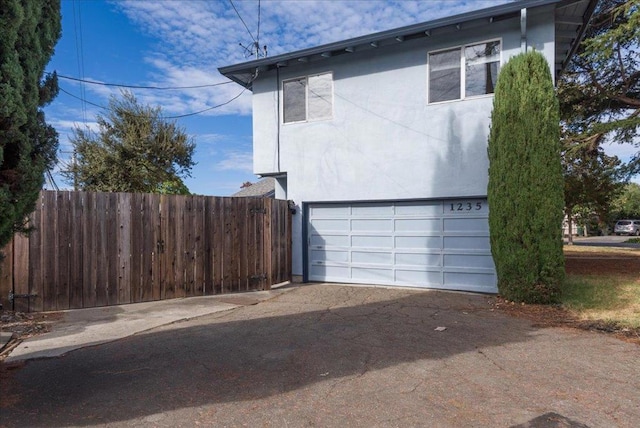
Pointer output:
308, 98
464, 71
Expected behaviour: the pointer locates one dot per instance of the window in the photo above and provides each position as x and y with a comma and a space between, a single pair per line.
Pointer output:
480, 62
308, 98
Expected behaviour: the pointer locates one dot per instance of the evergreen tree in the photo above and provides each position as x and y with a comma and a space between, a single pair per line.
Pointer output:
600, 90
134, 150
525, 182
29, 30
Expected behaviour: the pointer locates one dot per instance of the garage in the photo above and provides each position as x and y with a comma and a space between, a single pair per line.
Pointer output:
427, 244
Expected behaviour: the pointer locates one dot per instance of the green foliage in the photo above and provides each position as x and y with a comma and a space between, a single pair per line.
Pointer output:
134, 150
29, 30
175, 187
591, 182
600, 91
627, 203
525, 182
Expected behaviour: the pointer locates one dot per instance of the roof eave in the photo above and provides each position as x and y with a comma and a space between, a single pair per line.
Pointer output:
492, 12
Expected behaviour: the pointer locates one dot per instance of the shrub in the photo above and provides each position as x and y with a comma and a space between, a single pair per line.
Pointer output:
525, 189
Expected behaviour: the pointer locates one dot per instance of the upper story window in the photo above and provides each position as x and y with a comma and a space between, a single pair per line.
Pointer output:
463, 72
308, 98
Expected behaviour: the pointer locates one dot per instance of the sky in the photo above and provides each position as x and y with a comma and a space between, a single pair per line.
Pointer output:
177, 44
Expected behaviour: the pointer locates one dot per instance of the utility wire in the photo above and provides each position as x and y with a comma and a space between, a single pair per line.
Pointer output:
164, 117
118, 85
243, 23
209, 108
77, 22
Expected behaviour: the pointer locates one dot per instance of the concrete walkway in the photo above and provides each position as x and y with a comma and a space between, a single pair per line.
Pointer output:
88, 327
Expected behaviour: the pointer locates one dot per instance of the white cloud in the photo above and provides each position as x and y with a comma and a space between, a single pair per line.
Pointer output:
236, 161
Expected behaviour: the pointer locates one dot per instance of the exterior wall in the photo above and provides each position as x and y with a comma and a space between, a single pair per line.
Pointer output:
384, 141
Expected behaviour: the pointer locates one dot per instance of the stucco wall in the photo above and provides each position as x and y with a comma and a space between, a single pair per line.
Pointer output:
384, 141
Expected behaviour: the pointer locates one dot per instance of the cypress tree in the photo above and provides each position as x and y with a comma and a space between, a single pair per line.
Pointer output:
29, 30
525, 189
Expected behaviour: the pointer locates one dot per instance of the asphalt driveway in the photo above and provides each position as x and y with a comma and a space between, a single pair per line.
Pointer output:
330, 355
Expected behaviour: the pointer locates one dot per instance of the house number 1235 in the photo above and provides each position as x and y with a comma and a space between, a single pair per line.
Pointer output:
465, 206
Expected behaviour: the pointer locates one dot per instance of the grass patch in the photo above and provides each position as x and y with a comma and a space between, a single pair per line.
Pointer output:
613, 299
633, 241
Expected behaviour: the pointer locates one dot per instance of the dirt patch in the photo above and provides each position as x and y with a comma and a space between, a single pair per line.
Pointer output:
602, 264
23, 326
593, 263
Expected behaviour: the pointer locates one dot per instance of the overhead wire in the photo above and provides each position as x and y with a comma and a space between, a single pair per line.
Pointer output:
120, 85
243, 23
164, 117
77, 22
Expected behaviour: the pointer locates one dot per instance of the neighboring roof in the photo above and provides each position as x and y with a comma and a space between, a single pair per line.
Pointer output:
572, 17
265, 188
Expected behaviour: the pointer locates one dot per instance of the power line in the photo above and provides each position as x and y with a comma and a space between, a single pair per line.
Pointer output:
79, 53
119, 85
164, 117
243, 23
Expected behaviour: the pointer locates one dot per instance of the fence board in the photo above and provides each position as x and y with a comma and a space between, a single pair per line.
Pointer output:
76, 244
199, 260
124, 282
6, 275
97, 249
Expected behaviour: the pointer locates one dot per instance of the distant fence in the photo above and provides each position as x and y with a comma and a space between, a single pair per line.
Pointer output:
98, 249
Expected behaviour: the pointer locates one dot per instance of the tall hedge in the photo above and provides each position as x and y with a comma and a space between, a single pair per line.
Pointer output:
525, 182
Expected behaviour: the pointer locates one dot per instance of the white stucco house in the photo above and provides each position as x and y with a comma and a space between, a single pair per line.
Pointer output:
381, 142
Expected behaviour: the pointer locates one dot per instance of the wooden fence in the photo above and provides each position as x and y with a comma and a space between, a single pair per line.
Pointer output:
98, 249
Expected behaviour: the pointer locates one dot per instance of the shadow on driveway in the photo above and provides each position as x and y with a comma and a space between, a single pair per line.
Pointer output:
318, 355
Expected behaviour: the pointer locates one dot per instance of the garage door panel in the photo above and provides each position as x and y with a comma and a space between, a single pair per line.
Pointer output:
373, 210
469, 280
329, 240
468, 260
383, 258
416, 259
325, 255
473, 243
373, 275
371, 241
329, 273
462, 224
329, 225
418, 242
422, 277
372, 225
427, 225
432, 244
339, 211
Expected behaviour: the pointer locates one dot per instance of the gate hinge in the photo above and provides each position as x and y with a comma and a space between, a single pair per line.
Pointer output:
20, 296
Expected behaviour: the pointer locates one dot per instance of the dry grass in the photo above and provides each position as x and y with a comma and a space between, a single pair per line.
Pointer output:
610, 299
583, 250
603, 284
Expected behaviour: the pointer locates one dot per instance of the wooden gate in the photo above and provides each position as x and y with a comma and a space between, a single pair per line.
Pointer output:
97, 249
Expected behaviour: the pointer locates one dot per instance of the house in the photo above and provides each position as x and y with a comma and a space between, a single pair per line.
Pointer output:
380, 141
265, 188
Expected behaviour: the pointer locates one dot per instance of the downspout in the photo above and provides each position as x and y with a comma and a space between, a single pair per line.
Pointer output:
278, 114
523, 30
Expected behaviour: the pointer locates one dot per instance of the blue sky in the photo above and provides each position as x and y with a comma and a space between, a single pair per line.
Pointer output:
182, 43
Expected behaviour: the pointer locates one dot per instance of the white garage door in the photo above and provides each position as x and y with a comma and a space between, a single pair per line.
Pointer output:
430, 244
